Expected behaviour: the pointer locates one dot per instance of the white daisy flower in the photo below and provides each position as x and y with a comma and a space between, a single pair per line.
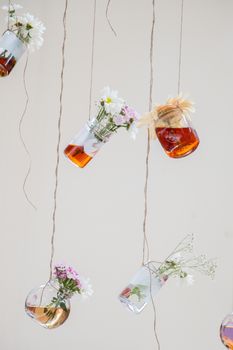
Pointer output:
32, 31
86, 287
112, 103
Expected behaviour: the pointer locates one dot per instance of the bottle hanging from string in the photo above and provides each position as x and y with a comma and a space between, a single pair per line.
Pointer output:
49, 305
171, 124
24, 32
151, 277
113, 113
11, 49
145, 283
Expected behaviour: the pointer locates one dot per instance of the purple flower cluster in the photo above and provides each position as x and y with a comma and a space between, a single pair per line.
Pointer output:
63, 272
127, 116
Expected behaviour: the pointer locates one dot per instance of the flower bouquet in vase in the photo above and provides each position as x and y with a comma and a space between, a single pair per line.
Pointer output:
24, 32
49, 304
152, 276
112, 114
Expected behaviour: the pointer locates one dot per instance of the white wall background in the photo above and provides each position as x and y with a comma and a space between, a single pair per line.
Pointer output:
100, 208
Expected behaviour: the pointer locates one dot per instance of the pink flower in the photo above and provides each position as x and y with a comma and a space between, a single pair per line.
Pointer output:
130, 115
60, 271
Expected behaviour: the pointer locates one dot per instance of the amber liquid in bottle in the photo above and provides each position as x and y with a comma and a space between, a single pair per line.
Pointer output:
50, 317
77, 155
7, 63
178, 142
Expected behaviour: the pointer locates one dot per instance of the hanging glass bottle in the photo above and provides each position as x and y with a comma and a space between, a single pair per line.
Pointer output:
112, 114
171, 124
142, 287
11, 49
88, 142
226, 331
49, 304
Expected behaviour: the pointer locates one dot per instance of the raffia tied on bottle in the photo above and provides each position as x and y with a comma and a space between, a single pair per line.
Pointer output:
169, 114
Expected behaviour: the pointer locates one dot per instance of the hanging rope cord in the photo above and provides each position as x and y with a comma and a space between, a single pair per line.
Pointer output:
10, 7
107, 17
21, 136
180, 46
146, 250
58, 141
92, 58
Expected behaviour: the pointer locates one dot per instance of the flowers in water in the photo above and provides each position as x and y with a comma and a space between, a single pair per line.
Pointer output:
27, 28
70, 282
114, 113
150, 278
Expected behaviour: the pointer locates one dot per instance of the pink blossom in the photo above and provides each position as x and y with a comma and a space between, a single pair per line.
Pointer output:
130, 114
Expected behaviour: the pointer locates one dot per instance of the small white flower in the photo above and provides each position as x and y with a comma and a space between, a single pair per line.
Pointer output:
112, 103
32, 31
189, 279
86, 287
133, 130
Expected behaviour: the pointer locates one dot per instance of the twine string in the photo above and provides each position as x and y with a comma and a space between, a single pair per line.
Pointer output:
21, 136
146, 250
107, 17
58, 141
180, 46
92, 58
154, 311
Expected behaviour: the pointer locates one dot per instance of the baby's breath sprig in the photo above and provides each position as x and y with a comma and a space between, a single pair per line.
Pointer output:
182, 262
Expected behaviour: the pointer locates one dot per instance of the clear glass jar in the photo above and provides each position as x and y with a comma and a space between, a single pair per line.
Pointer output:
226, 331
11, 49
175, 132
48, 305
88, 142
143, 285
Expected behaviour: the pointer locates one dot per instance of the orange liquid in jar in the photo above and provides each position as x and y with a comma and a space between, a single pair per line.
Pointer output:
50, 317
178, 142
6, 65
77, 155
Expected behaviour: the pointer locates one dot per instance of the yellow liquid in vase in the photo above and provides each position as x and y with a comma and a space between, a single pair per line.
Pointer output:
49, 317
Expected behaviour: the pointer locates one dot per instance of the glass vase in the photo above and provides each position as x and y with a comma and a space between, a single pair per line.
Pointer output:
88, 142
48, 305
11, 49
175, 132
144, 285
226, 331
